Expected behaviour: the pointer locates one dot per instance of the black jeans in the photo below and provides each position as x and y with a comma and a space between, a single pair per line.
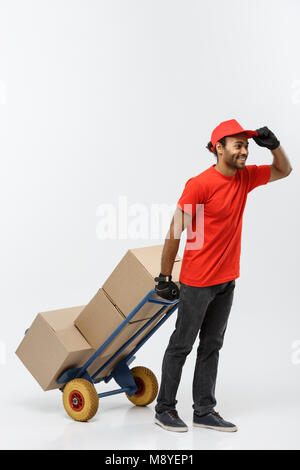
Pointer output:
204, 309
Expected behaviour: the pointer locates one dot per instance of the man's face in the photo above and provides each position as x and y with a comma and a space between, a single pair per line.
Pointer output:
235, 152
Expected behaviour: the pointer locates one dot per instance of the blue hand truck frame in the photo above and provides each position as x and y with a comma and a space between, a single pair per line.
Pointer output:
121, 373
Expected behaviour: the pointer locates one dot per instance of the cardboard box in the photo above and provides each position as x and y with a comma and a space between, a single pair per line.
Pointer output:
130, 281
53, 344
133, 278
99, 319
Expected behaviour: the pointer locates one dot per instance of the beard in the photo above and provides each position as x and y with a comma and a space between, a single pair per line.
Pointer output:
235, 162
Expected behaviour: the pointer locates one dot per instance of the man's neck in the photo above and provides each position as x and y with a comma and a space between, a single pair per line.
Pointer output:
224, 169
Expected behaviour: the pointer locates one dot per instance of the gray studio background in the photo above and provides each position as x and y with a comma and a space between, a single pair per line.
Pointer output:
102, 99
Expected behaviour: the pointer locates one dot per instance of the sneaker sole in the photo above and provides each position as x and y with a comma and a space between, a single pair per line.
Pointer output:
170, 428
215, 428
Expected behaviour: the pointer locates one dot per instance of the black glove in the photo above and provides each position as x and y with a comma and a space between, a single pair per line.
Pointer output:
266, 138
166, 288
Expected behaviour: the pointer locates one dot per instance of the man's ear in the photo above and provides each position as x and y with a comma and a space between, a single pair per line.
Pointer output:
218, 147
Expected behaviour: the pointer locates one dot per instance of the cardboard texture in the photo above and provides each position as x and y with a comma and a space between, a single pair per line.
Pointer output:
133, 278
100, 318
53, 344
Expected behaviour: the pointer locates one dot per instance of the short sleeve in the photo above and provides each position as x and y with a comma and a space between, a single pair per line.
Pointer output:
193, 195
258, 175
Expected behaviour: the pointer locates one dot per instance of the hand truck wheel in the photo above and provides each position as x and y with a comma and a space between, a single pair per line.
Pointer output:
80, 399
147, 386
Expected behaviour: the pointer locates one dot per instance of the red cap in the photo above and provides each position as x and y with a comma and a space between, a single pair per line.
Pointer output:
225, 128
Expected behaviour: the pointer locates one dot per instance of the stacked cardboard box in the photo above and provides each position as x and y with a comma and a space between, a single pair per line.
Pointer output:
62, 339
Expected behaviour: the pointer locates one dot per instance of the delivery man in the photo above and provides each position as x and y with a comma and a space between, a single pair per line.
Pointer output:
209, 266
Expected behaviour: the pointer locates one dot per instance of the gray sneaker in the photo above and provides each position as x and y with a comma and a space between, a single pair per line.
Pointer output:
170, 421
213, 420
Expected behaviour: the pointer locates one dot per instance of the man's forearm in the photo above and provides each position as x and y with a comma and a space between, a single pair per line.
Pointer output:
169, 254
179, 222
281, 161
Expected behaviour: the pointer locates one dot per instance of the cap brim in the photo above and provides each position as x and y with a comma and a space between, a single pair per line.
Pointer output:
251, 133
248, 133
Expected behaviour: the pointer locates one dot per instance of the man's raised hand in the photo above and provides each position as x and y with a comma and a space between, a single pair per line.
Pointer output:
266, 138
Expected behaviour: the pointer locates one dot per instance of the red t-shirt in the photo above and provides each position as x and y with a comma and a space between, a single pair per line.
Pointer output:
216, 202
